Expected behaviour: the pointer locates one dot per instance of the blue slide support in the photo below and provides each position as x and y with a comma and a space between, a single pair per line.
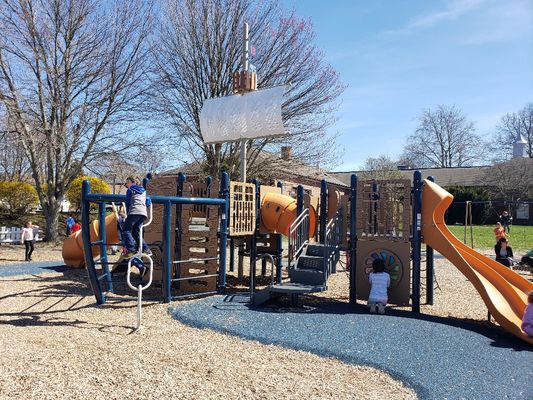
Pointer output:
102, 239
353, 238
416, 239
224, 211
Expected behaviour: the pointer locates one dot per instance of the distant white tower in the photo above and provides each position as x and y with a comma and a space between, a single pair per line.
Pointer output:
520, 147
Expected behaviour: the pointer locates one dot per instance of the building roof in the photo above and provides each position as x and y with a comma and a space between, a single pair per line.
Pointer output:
279, 169
455, 176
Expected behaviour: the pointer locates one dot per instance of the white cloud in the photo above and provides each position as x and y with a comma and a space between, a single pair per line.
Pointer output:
454, 9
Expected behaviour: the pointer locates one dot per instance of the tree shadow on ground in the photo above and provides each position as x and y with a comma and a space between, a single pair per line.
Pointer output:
57, 302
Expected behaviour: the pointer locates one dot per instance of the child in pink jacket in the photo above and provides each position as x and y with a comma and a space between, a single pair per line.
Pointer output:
527, 320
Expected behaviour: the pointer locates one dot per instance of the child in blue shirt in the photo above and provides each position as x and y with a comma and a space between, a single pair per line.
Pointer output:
136, 203
379, 285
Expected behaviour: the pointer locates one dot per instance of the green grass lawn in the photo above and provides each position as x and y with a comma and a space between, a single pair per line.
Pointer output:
520, 237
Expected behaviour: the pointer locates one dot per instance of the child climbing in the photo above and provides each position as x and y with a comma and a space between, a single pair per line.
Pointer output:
527, 320
136, 203
379, 284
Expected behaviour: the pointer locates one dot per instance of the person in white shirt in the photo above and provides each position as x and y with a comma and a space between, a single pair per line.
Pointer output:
28, 239
379, 285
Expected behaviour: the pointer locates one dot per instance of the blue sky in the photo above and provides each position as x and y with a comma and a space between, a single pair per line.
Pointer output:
399, 57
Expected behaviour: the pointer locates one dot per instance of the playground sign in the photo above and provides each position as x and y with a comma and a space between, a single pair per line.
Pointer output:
250, 115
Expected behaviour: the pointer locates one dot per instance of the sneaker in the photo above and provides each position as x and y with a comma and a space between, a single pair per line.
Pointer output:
381, 308
372, 308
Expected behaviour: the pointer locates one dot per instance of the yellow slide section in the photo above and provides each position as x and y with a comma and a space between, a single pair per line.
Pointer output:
278, 212
73, 245
503, 290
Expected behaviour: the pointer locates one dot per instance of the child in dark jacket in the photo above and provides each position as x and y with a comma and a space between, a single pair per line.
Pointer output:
136, 203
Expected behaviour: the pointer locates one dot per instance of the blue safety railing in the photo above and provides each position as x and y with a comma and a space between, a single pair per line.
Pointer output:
168, 202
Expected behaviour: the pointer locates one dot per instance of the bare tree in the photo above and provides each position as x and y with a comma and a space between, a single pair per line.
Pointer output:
444, 138
511, 180
200, 44
71, 74
14, 165
380, 168
511, 125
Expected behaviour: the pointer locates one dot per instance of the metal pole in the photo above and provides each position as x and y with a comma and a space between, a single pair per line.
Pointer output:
167, 261
280, 248
430, 275
299, 200
87, 248
245, 67
224, 210
417, 199
253, 241
323, 210
353, 238
103, 247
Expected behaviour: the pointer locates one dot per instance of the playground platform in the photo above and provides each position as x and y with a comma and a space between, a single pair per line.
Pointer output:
437, 357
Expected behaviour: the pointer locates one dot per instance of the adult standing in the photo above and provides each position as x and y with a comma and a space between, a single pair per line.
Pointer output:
506, 220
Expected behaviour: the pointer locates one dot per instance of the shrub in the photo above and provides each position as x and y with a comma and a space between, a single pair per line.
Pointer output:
74, 192
17, 197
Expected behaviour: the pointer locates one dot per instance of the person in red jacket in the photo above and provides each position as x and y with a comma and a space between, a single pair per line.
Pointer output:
76, 227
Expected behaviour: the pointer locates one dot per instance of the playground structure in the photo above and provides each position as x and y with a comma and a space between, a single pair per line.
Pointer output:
390, 219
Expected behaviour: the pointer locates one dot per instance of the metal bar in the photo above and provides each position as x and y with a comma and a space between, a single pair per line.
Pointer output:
102, 246
190, 278
430, 275
323, 211
353, 238
253, 241
231, 254
117, 198
167, 264
417, 200
87, 249
224, 211
279, 266
195, 260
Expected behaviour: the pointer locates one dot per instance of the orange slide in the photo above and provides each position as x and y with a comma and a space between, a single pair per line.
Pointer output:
73, 245
503, 290
278, 212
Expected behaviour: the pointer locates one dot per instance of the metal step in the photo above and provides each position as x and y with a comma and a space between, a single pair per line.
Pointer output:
314, 250
307, 277
310, 262
276, 291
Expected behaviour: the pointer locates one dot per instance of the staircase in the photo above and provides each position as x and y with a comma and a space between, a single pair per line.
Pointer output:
310, 264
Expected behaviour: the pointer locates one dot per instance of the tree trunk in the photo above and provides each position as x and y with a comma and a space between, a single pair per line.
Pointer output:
51, 213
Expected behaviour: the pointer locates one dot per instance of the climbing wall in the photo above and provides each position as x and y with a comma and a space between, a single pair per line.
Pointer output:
383, 231
153, 233
198, 241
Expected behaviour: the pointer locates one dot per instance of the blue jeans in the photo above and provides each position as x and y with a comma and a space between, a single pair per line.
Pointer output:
131, 233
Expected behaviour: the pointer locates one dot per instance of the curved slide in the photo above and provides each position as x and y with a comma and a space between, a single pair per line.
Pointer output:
73, 245
278, 212
503, 290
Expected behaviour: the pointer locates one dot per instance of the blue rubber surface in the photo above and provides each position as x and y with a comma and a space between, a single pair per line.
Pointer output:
32, 268
438, 357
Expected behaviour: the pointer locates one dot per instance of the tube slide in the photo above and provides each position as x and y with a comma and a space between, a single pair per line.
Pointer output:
279, 211
73, 245
503, 290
